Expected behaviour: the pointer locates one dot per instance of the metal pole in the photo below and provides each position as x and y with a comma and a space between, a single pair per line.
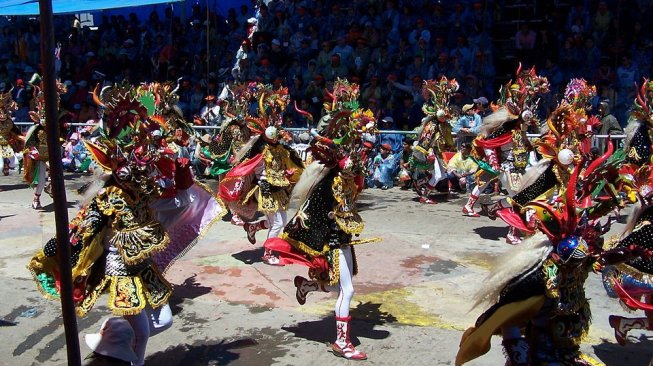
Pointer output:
208, 46
58, 187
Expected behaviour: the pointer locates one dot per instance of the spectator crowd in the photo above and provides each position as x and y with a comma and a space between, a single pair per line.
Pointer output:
388, 47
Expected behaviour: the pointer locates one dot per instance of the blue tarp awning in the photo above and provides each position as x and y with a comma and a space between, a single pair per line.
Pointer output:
31, 7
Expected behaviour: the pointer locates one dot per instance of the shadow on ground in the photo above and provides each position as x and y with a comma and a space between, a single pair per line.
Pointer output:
491, 232
205, 352
50, 207
250, 256
633, 354
189, 289
12, 187
365, 316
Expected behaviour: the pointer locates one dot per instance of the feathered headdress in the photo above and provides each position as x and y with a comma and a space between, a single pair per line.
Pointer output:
436, 96
130, 145
642, 107
271, 104
342, 135
523, 95
7, 104
579, 93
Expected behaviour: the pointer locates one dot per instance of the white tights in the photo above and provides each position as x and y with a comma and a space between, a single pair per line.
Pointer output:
146, 323
276, 222
345, 286
141, 325
478, 189
42, 177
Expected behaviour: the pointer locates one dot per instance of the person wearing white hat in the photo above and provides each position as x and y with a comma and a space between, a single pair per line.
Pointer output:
112, 345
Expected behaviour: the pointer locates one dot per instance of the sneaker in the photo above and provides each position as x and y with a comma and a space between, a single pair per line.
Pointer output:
271, 260
469, 212
427, 201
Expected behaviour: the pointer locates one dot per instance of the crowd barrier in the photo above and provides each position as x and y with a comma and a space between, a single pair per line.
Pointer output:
597, 140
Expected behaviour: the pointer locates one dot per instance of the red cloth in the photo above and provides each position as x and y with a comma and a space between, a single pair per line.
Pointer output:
289, 255
629, 300
495, 142
232, 187
513, 219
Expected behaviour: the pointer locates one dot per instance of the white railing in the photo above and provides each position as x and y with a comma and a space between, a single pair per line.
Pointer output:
595, 141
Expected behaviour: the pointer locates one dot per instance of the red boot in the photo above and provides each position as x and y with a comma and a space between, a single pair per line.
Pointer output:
251, 230
468, 209
342, 347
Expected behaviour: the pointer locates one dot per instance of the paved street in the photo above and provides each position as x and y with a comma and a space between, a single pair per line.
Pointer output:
410, 307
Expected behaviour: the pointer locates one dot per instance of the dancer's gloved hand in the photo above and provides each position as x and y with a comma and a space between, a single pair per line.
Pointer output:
334, 238
266, 187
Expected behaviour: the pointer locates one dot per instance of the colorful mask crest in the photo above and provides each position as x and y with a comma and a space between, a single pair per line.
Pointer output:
436, 96
523, 94
342, 136
131, 144
642, 108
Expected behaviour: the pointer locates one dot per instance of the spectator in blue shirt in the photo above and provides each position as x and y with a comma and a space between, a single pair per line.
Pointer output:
467, 125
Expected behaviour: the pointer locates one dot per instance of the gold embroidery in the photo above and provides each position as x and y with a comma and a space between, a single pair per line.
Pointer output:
345, 193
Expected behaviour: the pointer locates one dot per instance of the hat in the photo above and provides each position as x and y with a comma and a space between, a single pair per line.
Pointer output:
114, 340
19, 82
74, 136
276, 41
68, 83
129, 41
82, 83
90, 54
206, 138
481, 100
386, 146
467, 107
388, 119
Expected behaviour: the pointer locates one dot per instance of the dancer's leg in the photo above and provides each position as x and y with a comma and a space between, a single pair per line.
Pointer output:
276, 221
346, 292
342, 346
42, 178
141, 325
161, 319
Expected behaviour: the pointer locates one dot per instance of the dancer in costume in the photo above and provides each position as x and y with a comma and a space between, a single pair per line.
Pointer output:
502, 144
638, 131
233, 133
35, 155
116, 234
262, 183
10, 136
537, 291
435, 138
566, 140
630, 281
320, 235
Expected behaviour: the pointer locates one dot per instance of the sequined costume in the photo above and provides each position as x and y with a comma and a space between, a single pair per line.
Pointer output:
502, 148
640, 124
537, 291
631, 280
10, 137
141, 214
426, 161
233, 133
262, 182
566, 140
320, 234
35, 154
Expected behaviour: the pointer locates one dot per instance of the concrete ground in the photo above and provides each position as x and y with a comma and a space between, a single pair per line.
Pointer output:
410, 308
